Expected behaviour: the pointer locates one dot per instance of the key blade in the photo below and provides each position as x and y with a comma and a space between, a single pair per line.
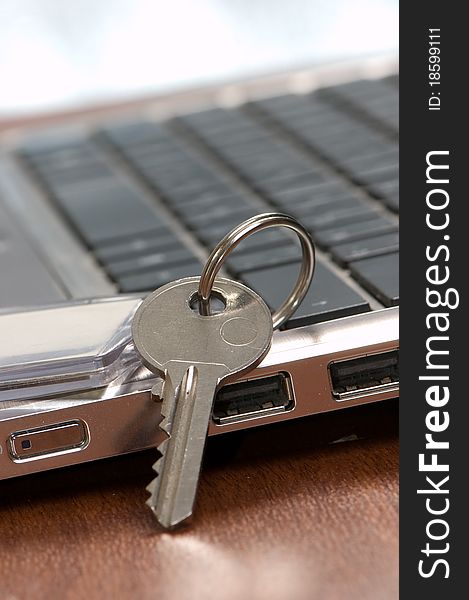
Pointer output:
174, 491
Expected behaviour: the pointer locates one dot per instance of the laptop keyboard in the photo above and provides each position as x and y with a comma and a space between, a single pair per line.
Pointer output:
150, 199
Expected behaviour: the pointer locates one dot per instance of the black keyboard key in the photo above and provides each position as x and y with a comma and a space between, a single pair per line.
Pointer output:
106, 212
388, 192
88, 172
137, 245
274, 172
171, 173
150, 280
73, 162
268, 165
334, 214
136, 264
262, 239
361, 164
329, 297
376, 175
185, 176
191, 191
322, 193
41, 152
147, 156
354, 142
263, 257
342, 151
294, 181
200, 215
380, 276
341, 134
183, 197
233, 141
317, 129
203, 199
232, 216
358, 88
137, 132
365, 248
54, 162
210, 232
354, 231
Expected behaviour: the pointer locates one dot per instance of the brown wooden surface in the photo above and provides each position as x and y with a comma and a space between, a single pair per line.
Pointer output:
282, 513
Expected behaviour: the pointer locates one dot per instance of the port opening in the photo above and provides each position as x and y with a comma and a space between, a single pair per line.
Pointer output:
254, 398
364, 375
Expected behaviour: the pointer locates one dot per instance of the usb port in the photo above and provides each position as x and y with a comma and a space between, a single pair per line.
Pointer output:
254, 398
365, 375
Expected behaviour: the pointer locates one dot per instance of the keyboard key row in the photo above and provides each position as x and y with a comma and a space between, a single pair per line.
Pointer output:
124, 229
208, 203
374, 99
366, 155
332, 210
315, 214
137, 246
365, 248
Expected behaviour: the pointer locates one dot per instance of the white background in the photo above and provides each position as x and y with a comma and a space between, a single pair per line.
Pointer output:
65, 53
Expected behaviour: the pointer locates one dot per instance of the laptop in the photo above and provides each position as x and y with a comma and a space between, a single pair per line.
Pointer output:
100, 208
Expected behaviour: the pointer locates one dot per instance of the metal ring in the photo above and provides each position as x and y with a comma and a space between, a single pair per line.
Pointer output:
239, 233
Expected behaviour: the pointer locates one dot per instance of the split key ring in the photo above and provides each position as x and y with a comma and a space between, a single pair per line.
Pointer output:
241, 232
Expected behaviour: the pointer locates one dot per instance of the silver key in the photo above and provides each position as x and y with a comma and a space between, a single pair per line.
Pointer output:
195, 354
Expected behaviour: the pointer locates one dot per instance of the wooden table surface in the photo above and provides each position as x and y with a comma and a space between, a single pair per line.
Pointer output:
283, 513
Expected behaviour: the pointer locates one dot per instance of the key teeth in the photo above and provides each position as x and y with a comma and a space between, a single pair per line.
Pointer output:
157, 465
151, 504
150, 490
152, 487
151, 501
165, 418
162, 450
164, 425
157, 390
